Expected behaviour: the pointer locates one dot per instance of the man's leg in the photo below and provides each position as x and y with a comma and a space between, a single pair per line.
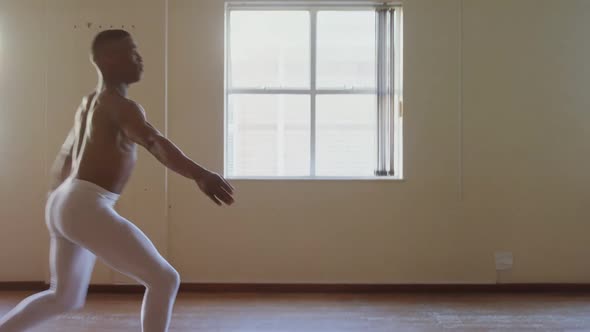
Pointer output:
125, 248
71, 268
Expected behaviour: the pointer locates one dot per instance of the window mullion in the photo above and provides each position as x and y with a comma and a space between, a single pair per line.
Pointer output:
313, 71
392, 87
258, 91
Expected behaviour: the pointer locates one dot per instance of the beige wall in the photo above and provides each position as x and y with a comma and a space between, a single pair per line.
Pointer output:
495, 149
22, 140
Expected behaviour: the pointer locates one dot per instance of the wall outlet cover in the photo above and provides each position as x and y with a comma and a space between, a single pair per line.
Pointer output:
504, 260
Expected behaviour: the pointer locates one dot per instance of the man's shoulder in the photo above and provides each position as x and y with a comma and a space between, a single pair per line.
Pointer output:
116, 103
127, 104
124, 110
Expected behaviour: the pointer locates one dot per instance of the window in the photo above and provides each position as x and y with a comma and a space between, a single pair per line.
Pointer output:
313, 90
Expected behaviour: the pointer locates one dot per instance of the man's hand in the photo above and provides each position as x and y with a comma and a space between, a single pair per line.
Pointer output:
216, 188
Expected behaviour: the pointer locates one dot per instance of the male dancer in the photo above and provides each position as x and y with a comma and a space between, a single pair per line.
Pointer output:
90, 172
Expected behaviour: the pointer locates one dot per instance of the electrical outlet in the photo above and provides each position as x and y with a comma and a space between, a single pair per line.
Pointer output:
504, 260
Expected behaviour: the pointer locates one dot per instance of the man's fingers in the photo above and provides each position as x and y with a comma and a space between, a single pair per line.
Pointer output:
224, 196
214, 199
228, 187
229, 184
226, 182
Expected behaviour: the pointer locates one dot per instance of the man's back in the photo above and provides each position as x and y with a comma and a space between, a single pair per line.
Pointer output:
102, 154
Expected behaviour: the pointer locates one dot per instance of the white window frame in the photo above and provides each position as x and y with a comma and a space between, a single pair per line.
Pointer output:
313, 7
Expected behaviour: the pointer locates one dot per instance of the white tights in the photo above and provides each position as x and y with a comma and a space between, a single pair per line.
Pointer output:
84, 225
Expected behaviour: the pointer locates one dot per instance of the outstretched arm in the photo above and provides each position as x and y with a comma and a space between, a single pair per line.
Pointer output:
134, 124
62, 166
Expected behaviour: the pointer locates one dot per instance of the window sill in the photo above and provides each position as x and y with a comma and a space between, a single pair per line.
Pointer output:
316, 178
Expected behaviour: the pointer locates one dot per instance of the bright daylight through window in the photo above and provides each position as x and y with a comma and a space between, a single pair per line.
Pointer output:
313, 90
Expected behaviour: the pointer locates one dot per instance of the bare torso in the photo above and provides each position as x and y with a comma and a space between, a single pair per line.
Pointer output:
101, 153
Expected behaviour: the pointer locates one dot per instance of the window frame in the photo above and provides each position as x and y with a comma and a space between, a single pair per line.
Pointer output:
313, 7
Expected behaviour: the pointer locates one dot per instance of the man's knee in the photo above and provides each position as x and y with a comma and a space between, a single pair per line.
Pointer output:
173, 279
168, 280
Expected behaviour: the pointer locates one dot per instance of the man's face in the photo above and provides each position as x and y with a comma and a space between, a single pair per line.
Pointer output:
128, 62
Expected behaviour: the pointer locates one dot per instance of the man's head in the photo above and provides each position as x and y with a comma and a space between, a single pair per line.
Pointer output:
115, 54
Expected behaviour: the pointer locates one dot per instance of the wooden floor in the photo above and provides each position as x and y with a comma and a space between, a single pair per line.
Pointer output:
213, 312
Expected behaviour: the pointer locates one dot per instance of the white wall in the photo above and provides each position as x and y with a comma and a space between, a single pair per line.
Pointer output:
494, 149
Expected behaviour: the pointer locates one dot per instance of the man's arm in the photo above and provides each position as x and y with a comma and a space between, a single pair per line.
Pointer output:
135, 126
62, 166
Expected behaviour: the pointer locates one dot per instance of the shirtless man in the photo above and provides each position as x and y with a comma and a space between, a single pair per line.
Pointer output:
90, 172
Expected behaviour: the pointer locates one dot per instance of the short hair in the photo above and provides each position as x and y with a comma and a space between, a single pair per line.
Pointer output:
107, 36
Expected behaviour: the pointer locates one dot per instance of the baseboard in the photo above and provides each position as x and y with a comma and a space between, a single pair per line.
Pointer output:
386, 288
22, 286
328, 288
